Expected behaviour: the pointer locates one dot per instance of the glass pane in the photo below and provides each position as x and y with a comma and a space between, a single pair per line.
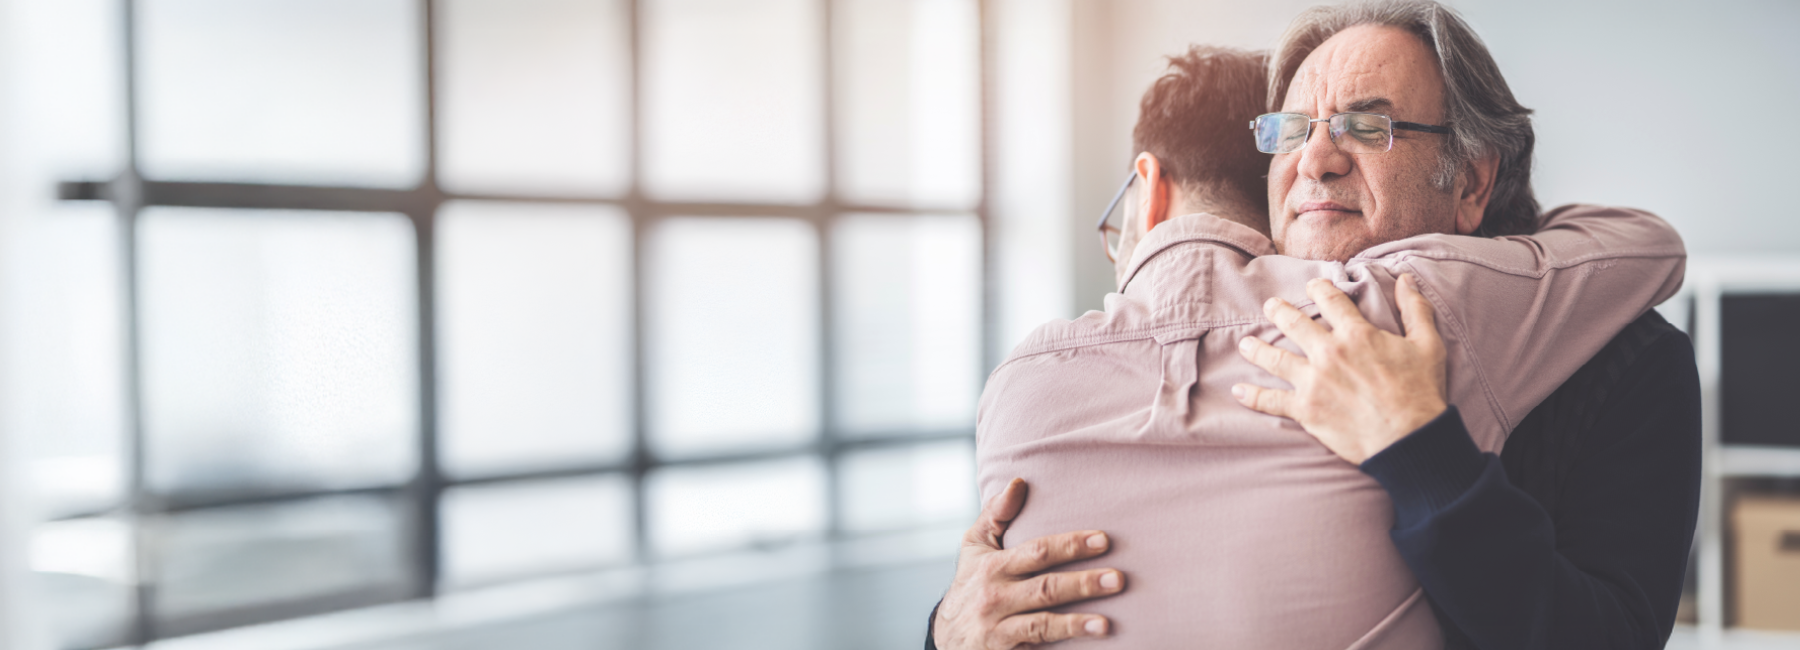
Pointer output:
64, 344
909, 101
905, 487
279, 348
84, 581
908, 310
68, 85
732, 95
70, 348
706, 508
324, 91
517, 529
536, 95
535, 336
733, 335
733, 330
241, 557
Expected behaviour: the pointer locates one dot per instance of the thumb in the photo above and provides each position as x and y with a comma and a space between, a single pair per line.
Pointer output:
991, 525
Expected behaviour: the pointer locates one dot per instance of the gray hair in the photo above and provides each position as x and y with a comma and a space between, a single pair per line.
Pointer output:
1483, 115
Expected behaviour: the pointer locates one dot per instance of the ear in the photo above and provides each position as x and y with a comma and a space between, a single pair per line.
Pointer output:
1473, 190
1153, 190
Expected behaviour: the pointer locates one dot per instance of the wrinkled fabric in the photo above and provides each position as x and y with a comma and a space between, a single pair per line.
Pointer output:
1237, 529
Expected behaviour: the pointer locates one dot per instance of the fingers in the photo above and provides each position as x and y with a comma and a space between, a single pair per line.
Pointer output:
1338, 309
1295, 324
1052, 589
1416, 313
1053, 550
1281, 363
1044, 627
1267, 400
999, 512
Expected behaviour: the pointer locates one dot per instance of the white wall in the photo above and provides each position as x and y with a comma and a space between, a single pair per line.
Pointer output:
1677, 108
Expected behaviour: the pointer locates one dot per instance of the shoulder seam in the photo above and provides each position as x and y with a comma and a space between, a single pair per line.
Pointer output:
1537, 272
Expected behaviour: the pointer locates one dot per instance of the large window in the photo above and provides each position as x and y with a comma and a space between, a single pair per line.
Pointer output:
400, 296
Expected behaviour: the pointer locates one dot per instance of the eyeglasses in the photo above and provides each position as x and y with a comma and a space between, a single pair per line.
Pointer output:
1110, 231
1369, 132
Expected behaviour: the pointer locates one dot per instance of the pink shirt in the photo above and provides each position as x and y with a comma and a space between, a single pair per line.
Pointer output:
1237, 529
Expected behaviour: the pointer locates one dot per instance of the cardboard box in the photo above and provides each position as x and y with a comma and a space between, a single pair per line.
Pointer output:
1768, 562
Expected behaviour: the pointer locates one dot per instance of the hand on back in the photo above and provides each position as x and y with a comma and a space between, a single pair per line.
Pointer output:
998, 597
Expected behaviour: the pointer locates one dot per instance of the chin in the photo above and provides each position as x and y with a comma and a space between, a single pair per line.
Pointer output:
1324, 246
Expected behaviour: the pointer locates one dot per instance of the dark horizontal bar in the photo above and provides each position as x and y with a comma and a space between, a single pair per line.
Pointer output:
169, 504
275, 196
83, 191
828, 447
284, 197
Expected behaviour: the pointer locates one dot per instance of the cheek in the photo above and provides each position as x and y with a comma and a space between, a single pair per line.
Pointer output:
1411, 205
1282, 172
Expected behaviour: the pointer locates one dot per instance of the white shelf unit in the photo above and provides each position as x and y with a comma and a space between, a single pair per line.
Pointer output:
1708, 280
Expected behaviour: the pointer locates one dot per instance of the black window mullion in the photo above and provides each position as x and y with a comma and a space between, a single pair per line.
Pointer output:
127, 196
426, 492
641, 460
829, 436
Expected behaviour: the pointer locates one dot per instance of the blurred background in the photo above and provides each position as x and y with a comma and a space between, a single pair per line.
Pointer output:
660, 323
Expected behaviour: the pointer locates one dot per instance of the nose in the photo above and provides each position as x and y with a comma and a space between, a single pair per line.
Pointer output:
1321, 158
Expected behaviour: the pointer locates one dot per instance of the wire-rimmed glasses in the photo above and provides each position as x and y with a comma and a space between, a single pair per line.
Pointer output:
1368, 132
1109, 230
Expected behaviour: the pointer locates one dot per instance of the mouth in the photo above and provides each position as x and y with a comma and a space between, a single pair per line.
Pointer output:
1325, 210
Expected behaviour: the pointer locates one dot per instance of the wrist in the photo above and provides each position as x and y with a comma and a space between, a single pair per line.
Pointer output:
1402, 425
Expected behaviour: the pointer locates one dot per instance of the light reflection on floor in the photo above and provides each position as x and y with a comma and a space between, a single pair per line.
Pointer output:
873, 609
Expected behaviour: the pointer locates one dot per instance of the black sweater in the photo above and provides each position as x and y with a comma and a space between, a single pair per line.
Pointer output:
1577, 535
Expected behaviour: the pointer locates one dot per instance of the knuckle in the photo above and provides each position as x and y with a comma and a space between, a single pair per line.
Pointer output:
989, 601
991, 565
1045, 593
1037, 629
1303, 410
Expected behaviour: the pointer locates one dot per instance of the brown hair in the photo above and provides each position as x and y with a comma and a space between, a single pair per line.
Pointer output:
1196, 121
1479, 107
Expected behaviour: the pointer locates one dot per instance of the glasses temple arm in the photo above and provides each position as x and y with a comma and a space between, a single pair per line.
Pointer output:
1415, 126
1115, 201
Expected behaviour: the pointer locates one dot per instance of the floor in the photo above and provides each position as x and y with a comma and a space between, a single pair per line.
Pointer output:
846, 609
868, 607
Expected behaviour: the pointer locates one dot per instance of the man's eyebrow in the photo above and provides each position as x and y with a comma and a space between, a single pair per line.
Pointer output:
1368, 105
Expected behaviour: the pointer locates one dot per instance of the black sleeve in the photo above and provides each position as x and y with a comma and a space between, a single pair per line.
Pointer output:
931, 627
1607, 571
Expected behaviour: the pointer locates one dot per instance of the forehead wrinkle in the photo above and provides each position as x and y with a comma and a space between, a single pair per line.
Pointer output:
1368, 61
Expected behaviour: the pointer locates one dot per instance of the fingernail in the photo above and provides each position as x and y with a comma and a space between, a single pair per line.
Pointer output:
1097, 541
1096, 626
1244, 344
1238, 391
1109, 580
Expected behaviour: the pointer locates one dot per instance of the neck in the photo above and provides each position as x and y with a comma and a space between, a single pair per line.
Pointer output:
1229, 208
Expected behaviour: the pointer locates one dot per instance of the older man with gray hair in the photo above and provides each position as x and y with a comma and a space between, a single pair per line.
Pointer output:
1576, 534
